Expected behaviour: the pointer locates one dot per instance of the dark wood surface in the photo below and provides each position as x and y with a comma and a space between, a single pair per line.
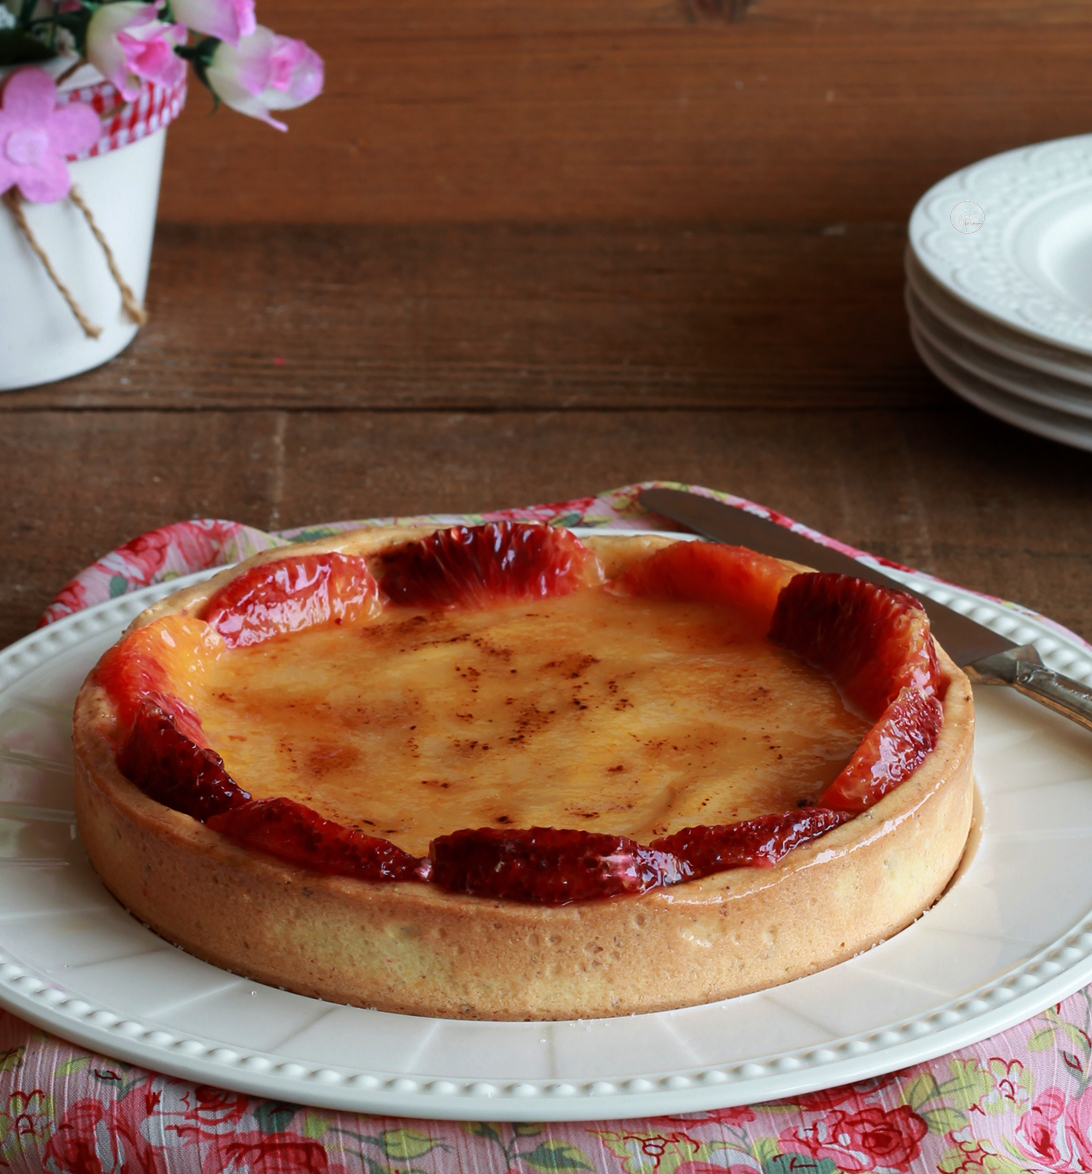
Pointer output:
290, 376
442, 111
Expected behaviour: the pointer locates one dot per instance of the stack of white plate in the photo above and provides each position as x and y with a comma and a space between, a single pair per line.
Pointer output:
999, 286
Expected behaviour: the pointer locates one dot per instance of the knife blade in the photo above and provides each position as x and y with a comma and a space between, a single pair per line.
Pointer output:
987, 657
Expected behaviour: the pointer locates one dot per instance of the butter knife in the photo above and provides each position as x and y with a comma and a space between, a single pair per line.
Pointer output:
987, 657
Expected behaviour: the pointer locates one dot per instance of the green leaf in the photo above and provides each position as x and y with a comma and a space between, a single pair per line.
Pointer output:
526, 1129
315, 1126
923, 1089
118, 586
765, 1150
944, 1120
482, 1129
13, 1058
798, 1164
404, 1144
18, 48
1042, 1040
970, 1082
566, 520
557, 1155
275, 1116
1075, 1034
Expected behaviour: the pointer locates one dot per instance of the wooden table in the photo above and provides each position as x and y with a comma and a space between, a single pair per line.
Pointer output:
546, 249
291, 376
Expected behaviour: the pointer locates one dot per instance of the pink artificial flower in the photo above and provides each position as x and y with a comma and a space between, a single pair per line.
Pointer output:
35, 136
265, 72
125, 43
230, 20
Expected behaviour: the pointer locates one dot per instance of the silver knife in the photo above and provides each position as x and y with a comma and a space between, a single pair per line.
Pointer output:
985, 656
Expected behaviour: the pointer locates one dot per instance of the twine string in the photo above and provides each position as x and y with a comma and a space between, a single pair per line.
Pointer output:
11, 199
134, 311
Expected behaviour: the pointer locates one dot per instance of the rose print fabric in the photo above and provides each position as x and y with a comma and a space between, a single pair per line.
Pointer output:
1019, 1103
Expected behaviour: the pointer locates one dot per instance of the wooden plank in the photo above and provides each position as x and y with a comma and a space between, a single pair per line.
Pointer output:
486, 317
920, 487
483, 112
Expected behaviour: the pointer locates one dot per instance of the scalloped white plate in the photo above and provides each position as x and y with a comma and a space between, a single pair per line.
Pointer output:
1024, 257
1019, 410
1035, 386
991, 336
1012, 936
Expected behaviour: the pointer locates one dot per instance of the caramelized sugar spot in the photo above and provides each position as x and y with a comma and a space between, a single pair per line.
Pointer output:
629, 716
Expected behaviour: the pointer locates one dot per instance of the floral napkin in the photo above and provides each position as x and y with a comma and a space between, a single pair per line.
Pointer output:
1019, 1103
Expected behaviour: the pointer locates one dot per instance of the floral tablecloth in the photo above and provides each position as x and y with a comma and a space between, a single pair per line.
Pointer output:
1019, 1102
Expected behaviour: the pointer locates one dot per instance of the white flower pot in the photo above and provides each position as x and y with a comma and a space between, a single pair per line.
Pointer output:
40, 337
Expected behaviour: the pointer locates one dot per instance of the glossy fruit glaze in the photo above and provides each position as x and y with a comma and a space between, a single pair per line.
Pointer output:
716, 603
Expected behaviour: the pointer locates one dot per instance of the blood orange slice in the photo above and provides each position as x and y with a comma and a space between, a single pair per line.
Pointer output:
477, 566
751, 843
711, 573
172, 769
166, 661
294, 593
871, 641
892, 750
294, 833
546, 866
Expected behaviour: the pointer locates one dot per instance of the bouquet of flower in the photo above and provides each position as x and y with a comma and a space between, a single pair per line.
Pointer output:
246, 66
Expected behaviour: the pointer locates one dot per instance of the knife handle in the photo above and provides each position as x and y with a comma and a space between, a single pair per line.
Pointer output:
1025, 672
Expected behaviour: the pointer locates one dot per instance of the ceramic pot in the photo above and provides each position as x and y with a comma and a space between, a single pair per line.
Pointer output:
40, 338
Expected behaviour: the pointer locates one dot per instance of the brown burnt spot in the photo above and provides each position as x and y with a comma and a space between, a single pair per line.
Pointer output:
324, 759
465, 717
613, 770
470, 747
226, 698
502, 819
622, 704
490, 649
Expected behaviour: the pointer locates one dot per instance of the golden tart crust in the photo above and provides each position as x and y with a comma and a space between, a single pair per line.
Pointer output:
413, 948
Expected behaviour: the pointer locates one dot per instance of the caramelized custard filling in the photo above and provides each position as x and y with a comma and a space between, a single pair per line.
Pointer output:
630, 716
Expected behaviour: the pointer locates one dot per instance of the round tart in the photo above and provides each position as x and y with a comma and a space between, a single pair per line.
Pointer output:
499, 773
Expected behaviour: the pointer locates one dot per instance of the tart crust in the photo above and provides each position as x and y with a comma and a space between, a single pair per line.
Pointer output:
415, 949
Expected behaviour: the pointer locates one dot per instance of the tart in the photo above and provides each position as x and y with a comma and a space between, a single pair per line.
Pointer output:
499, 773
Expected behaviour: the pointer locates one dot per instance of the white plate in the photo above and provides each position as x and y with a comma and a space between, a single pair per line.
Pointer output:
1013, 409
1026, 258
1035, 386
1012, 936
991, 335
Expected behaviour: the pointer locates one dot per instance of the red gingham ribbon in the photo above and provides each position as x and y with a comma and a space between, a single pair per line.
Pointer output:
154, 107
